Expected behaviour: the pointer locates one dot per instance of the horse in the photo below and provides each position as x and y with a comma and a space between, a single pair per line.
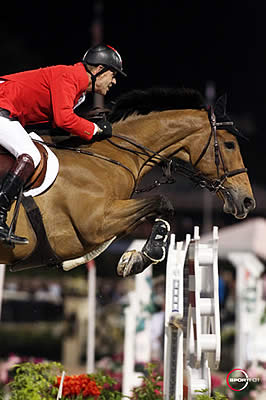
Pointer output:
90, 204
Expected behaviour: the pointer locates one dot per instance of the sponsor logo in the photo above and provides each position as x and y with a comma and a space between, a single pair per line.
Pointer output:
238, 379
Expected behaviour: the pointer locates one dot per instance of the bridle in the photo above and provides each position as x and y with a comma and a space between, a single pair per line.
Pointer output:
175, 165
170, 165
217, 184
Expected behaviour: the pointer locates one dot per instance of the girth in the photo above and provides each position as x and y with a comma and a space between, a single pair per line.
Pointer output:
43, 254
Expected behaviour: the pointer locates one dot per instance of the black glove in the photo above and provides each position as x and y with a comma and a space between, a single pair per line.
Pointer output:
106, 128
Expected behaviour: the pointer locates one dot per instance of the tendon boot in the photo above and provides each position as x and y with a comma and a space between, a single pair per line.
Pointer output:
134, 262
155, 247
10, 189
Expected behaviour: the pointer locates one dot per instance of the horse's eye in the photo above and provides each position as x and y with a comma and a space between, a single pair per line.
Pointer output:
229, 145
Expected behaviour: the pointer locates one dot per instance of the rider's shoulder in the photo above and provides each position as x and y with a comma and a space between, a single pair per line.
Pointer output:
60, 69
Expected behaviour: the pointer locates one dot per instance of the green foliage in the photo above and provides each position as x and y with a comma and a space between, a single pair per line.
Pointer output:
35, 381
107, 383
152, 386
263, 317
204, 396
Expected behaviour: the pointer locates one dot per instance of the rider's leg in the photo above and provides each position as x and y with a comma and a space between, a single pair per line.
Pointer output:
11, 187
15, 139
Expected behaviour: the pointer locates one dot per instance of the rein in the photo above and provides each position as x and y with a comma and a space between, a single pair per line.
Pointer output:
152, 158
89, 153
170, 166
184, 168
143, 151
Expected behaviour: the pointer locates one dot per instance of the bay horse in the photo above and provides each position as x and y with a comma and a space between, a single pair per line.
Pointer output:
90, 204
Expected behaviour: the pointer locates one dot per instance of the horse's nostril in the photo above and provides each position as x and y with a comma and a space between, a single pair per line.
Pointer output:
249, 203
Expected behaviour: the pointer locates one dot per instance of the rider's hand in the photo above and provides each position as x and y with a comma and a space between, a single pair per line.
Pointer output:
104, 130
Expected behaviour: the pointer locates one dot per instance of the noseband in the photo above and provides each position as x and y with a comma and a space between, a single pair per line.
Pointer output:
216, 184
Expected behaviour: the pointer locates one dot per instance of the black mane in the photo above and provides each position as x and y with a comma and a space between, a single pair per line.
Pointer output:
155, 99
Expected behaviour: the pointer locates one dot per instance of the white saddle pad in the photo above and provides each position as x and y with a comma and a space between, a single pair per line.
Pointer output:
51, 172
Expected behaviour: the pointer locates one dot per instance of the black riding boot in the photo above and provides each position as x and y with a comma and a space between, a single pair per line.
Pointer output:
11, 187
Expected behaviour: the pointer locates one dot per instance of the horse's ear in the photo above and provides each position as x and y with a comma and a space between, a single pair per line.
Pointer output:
220, 105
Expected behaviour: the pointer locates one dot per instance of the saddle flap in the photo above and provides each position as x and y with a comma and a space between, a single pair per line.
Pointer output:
45, 173
49, 167
39, 174
7, 160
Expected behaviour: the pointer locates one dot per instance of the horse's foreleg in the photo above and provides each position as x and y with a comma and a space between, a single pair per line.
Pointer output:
125, 215
154, 251
120, 218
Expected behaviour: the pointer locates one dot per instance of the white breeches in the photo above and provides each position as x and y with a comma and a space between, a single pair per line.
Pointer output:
16, 140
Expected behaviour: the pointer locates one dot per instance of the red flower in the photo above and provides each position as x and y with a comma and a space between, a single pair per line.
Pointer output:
79, 384
215, 381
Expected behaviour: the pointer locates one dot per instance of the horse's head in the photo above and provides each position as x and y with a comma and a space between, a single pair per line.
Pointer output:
215, 153
174, 122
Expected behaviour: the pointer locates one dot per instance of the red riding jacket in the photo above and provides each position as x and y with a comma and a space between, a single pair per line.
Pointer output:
47, 94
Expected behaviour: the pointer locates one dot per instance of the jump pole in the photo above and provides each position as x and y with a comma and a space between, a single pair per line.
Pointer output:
137, 333
192, 318
91, 316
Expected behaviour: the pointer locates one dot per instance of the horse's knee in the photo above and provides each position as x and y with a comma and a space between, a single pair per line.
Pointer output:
166, 208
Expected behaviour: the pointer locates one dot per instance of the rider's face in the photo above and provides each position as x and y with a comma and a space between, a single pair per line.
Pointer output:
104, 82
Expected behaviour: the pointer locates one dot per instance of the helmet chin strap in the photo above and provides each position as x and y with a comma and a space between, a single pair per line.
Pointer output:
94, 76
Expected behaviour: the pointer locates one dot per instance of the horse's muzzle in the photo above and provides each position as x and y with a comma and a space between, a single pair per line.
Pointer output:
237, 204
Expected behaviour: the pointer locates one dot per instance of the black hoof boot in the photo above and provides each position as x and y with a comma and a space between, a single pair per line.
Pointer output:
134, 262
155, 247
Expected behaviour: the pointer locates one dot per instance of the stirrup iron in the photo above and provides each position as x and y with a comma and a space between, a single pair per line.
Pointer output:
11, 238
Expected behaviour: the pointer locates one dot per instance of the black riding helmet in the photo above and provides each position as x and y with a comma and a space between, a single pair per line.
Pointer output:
104, 55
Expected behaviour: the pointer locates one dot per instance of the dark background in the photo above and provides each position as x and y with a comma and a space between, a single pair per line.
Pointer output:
167, 43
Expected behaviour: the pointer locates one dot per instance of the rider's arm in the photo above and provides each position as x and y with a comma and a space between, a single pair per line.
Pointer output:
63, 93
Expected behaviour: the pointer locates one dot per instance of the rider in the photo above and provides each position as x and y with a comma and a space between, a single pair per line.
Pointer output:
49, 95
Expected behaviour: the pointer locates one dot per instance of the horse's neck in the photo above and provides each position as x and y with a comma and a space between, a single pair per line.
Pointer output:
163, 132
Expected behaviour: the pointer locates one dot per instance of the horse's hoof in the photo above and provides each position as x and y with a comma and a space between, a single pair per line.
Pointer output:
130, 263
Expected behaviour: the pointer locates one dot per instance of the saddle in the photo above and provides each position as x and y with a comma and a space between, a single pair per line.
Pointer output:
43, 254
7, 160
